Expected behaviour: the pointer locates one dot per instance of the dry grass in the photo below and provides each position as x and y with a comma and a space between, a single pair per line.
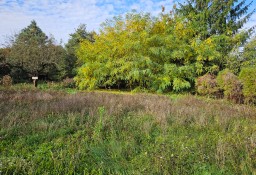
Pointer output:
38, 104
186, 135
186, 109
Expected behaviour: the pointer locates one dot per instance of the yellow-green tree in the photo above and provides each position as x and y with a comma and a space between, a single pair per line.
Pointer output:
138, 51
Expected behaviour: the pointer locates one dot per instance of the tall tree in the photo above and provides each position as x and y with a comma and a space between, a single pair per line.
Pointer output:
217, 17
139, 51
73, 43
221, 18
34, 54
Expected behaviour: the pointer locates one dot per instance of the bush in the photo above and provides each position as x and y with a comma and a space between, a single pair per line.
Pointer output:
69, 83
7, 81
249, 84
207, 85
230, 85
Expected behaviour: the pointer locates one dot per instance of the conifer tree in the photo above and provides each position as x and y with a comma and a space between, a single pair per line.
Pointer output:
221, 20
73, 43
217, 16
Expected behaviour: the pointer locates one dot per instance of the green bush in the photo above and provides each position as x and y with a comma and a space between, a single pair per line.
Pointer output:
248, 79
230, 85
207, 85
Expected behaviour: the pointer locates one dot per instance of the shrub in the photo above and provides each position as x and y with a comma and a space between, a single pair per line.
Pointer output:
7, 80
207, 85
249, 84
230, 85
69, 83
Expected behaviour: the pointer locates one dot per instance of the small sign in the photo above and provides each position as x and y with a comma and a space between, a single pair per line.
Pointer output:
34, 78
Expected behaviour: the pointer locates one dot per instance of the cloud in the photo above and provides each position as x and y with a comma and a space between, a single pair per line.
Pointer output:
61, 17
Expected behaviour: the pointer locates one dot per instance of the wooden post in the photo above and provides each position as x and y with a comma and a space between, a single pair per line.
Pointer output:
35, 81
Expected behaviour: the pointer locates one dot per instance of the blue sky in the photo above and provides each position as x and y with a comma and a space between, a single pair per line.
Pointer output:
61, 17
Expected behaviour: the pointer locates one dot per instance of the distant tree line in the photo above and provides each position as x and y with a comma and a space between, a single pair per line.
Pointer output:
181, 50
32, 53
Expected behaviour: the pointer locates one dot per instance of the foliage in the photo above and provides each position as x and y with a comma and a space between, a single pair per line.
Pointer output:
247, 76
7, 81
222, 19
243, 56
249, 53
34, 54
231, 86
139, 51
217, 17
73, 43
4, 66
207, 85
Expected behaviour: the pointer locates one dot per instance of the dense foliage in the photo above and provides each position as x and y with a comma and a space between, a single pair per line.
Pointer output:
207, 85
247, 76
230, 85
164, 53
249, 54
181, 50
72, 45
139, 51
34, 54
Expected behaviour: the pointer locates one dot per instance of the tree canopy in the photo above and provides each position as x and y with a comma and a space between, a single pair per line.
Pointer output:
162, 53
34, 54
73, 43
140, 51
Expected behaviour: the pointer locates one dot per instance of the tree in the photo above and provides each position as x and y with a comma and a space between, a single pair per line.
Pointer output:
222, 18
217, 17
34, 54
4, 66
249, 53
139, 51
73, 43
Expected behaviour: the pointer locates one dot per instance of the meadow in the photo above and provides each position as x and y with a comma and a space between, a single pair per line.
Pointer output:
55, 132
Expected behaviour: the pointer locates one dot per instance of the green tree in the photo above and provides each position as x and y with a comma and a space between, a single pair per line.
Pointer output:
73, 43
4, 66
34, 54
249, 53
139, 51
222, 18
217, 17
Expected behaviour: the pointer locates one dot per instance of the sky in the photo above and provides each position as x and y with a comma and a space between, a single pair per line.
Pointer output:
61, 17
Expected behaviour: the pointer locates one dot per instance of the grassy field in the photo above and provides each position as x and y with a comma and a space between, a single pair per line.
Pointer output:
53, 132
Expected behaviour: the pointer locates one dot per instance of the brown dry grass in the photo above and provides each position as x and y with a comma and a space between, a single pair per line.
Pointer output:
25, 106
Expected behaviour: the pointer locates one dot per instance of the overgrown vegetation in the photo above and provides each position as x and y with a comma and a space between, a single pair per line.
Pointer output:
169, 52
163, 53
105, 133
249, 83
58, 129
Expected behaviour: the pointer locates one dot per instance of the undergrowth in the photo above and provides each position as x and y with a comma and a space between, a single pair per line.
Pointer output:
104, 133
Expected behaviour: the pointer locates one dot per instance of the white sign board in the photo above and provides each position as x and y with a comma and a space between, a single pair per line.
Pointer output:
34, 78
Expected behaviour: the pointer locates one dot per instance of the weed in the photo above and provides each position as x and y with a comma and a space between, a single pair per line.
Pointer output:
51, 132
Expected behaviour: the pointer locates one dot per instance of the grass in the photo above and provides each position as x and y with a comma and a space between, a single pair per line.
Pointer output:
53, 132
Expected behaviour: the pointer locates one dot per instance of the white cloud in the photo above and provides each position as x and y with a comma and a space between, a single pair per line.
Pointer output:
61, 17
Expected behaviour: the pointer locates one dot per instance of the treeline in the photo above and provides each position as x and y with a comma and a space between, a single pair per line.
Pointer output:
181, 50
33, 53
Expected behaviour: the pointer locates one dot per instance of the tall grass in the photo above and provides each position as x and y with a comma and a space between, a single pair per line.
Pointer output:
104, 133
